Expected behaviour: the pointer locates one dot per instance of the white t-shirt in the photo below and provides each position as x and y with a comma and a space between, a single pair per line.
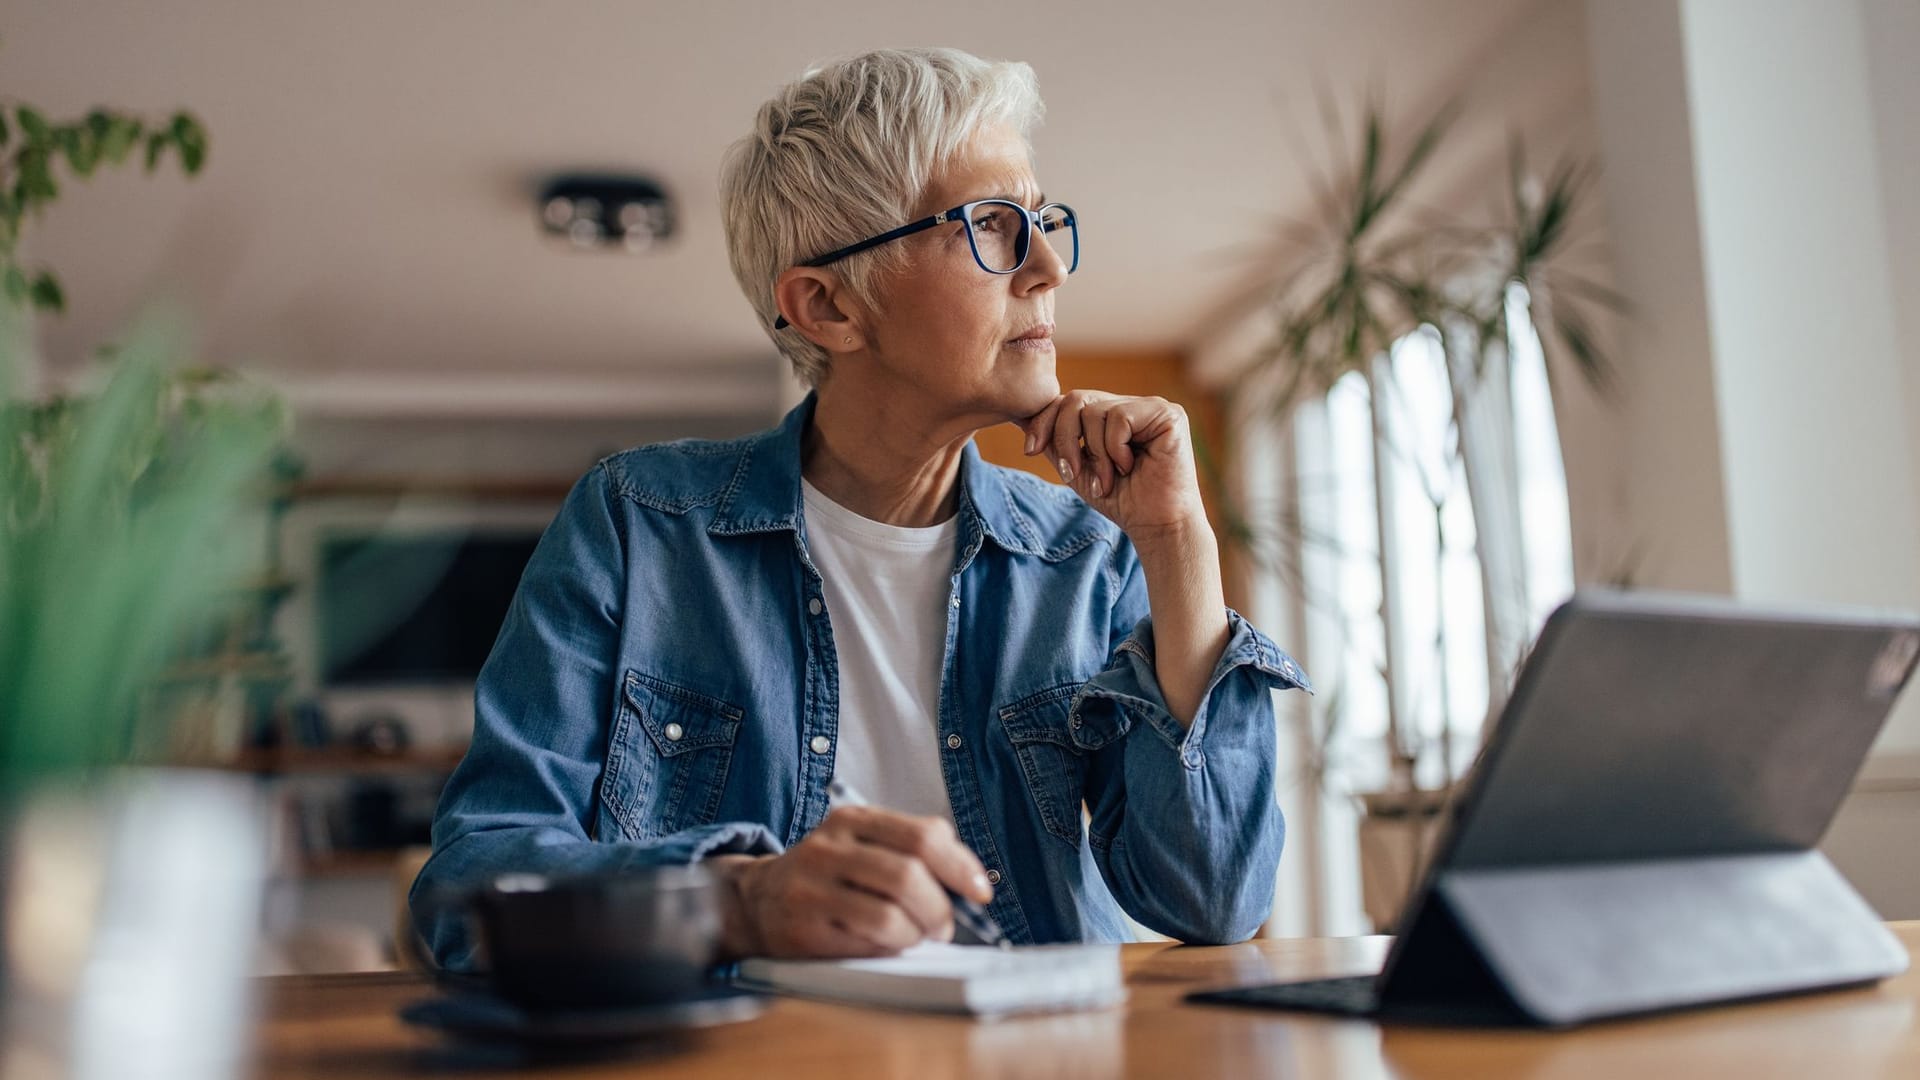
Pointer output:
887, 593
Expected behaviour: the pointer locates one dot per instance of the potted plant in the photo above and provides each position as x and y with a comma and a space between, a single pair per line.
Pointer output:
131, 895
1367, 269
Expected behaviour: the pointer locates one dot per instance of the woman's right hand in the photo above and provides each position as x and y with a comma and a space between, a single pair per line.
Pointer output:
867, 882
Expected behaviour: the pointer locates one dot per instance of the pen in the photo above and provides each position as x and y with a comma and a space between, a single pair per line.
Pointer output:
965, 912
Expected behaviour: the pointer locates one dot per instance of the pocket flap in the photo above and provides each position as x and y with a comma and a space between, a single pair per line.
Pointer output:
678, 719
1050, 716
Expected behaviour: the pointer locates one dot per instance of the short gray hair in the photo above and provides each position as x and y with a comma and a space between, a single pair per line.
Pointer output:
845, 152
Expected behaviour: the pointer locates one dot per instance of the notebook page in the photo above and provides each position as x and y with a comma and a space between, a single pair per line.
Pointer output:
957, 978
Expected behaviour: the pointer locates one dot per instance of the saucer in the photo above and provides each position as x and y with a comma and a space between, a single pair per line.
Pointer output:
472, 1014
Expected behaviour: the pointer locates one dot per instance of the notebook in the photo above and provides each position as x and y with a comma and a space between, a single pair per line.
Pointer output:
938, 977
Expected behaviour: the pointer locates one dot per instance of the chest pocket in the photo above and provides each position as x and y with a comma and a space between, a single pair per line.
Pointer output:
667, 762
1052, 743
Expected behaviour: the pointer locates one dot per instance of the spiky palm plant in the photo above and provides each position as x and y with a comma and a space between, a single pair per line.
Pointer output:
1345, 288
1538, 246
1370, 266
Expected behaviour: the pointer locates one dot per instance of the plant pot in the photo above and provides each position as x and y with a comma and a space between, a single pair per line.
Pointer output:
1397, 835
132, 905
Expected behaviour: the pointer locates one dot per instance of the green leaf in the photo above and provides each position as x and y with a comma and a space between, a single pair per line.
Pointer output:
191, 138
81, 148
1588, 359
192, 154
15, 284
46, 293
1365, 207
1424, 145
35, 183
5, 132
33, 124
156, 142
122, 132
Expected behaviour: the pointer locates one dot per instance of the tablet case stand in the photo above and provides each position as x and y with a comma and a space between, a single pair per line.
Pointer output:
1640, 830
1565, 944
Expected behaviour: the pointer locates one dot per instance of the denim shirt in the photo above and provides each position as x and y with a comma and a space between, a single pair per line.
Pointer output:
665, 688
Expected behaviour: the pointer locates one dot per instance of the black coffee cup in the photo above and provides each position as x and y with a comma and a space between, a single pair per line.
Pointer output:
635, 938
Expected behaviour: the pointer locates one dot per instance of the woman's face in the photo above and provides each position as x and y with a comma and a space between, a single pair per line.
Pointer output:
947, 328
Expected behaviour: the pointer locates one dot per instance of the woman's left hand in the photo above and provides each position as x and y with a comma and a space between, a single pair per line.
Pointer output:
1131, 458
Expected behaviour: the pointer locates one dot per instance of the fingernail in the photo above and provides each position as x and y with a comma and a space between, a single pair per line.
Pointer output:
1095, 484
1031, 439
980, 884
1066, 471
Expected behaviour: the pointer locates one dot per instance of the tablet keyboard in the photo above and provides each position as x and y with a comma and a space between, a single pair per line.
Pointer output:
1353, 995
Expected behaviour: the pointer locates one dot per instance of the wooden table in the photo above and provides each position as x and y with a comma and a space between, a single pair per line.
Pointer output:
344, 1025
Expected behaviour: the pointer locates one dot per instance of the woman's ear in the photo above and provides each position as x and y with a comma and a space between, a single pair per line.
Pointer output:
814, 303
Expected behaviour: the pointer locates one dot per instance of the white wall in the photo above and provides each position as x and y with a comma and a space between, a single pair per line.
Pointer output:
1892, 39
1754, 217
1811, 398
1674, 515
1761, 163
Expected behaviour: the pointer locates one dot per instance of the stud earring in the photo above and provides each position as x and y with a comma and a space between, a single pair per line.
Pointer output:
849, 341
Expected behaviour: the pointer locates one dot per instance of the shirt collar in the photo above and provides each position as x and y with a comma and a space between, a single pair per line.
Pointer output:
764, 495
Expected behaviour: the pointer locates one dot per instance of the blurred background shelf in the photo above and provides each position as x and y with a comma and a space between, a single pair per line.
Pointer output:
258, 666
538, 489
338, 760
376, 862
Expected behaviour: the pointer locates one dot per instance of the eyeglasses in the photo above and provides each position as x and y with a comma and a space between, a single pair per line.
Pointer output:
999, 232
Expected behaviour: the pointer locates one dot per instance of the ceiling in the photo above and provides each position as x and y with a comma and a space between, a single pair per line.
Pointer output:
367, 204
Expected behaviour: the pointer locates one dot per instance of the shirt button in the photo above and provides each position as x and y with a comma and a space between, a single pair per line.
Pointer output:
1075, 723
955, 602
993, 877
813, 606
821, 744
674, 731
953, 742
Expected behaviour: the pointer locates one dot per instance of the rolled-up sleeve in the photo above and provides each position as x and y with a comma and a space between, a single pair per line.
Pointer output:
522, 799
1183, 821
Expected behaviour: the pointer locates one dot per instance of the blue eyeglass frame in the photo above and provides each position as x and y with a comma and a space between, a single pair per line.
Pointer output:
962, 213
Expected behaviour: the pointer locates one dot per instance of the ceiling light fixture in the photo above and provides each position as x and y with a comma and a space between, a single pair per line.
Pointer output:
598, 210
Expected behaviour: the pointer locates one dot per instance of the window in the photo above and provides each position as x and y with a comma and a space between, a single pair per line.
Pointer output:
1398, 570
1542, 491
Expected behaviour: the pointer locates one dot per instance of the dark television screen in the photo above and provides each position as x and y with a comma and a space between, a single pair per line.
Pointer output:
415, 608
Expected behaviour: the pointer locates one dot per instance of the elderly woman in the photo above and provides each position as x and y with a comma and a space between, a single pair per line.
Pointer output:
1039, 687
